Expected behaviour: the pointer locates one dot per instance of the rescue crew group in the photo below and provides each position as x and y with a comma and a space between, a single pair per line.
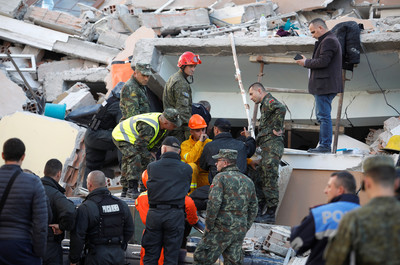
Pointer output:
169, 157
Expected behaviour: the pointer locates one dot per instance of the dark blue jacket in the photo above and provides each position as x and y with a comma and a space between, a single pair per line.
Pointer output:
24, 216
320, 225
225, 140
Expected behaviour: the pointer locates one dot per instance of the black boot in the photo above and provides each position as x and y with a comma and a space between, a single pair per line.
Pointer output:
123, 193
268, 217
133, 191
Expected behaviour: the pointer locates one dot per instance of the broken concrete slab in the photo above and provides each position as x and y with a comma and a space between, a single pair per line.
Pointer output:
22, 32
56, 83
173, 23
255, 11
56, 20
76, 47
59, 66
13, 8
229, 15
42, 140
15, 98
111, 38
287, 6
78, 96
38, 53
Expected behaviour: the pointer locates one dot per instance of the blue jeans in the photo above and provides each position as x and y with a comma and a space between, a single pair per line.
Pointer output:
323, 107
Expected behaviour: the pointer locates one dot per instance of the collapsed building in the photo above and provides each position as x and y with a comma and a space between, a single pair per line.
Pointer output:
67, 54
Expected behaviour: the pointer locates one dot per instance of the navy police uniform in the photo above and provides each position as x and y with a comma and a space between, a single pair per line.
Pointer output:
168, 184
104, 225
320, 225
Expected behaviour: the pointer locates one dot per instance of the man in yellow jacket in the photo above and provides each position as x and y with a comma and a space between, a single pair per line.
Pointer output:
138, 138
192, 148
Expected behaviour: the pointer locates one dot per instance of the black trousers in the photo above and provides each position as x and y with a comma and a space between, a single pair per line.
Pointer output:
54, 254
164, 229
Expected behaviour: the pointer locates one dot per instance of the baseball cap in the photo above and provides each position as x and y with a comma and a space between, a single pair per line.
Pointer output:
223, 124
172, 115
226, 153
171, 141
144, 68
372, 162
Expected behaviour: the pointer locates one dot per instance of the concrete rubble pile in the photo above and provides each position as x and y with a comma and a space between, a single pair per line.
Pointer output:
378, 139
72, 54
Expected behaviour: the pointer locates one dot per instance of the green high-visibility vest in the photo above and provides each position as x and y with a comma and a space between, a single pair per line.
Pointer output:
127, 131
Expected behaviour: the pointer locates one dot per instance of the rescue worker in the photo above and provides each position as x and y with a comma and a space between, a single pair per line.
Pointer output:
134, 98
192, 149
98, 139
63, 212
270, 140
138, 140
168, 185
370, 234
321, 224
178, 94
231, 209
142, 206
104, 225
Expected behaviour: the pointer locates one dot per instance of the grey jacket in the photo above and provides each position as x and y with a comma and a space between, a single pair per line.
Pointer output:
24, 215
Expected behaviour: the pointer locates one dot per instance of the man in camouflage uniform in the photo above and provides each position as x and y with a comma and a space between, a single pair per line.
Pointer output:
134, 99
270, 140
138, 138
370, 234
231, 209
178, 94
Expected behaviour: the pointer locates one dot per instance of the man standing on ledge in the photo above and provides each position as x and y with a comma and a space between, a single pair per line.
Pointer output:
270, 140
178, 93
325, 79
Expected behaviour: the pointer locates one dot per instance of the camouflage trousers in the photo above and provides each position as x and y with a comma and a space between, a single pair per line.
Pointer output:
133, 163
220, 240
268, 172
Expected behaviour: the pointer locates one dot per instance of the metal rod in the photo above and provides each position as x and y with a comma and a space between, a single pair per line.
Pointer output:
259, 78
26, 82
242, 91
339, 114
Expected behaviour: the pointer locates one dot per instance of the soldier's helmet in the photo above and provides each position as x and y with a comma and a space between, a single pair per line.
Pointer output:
197, 122
226, 153
188, 58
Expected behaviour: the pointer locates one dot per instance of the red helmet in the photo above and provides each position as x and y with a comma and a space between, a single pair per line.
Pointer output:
188, 58
145, 178
197, 122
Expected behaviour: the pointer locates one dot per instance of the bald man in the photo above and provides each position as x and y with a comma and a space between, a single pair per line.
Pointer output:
104, 222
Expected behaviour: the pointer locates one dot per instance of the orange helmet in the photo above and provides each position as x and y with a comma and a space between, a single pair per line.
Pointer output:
144, 178
188, 58
197, 122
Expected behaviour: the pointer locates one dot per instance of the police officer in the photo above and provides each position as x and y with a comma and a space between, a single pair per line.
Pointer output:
270, 140
104, 225
178, 94
138, 140
231, 209
63, 212
168, 183
98, 140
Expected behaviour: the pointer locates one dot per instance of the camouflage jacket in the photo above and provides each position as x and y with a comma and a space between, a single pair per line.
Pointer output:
369, 234
232, 200
272, 118
178, 95
134, 100
146, 133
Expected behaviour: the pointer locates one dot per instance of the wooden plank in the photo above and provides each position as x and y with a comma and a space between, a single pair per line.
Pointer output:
271, 59
307, 127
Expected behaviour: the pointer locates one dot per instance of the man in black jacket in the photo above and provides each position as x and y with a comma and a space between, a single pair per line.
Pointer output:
322, 222
223, 140
23, 219
167, 185
325, 79
63, 212
103, 225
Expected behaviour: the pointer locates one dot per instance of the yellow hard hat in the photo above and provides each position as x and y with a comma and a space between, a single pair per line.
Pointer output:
393, 144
